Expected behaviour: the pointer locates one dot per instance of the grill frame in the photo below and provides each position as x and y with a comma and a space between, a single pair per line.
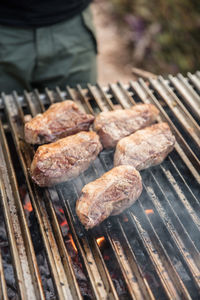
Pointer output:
92, 100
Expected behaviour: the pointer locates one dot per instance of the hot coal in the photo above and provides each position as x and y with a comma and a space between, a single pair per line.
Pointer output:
7, 262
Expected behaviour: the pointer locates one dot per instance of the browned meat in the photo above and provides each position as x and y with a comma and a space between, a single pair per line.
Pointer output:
109, 195
146, 147
112, 126
64, 159
60, 120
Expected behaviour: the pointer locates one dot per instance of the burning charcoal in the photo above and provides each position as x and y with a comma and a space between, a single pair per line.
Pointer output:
3, 237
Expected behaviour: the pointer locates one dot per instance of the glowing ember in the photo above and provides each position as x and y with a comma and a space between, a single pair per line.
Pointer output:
64, 223
61, 210
72, 242
100, 240
28, 206
149, 211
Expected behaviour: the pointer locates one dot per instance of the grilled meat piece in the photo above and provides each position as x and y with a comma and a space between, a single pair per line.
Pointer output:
109, 195
112, 126
64, 159
145, 148
58, 121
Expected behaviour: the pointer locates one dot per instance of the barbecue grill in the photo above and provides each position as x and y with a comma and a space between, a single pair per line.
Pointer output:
151, 251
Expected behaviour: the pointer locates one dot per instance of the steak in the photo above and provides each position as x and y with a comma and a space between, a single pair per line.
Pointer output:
109, 195
64, 159
58, 121
112, 126
145, 148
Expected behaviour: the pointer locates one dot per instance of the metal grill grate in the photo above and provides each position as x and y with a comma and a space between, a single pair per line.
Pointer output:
151, 251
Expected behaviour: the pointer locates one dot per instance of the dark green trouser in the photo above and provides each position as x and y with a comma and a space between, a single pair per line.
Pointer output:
61, 54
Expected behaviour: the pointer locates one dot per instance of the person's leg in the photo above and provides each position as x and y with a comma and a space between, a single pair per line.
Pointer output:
17, 59
66, 53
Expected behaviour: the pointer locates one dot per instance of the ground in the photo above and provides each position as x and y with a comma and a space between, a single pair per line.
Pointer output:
113, 62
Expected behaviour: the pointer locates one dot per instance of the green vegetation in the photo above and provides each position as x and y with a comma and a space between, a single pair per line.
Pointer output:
163, 35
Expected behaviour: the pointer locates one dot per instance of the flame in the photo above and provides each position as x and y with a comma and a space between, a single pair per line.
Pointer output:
72, 242
149, 211
28, 206
61, 210
100, 240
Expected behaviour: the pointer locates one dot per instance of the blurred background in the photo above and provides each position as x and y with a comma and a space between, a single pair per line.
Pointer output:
160, 36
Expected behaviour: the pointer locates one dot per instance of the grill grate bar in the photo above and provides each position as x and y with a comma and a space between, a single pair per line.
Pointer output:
106, 98
99, 98
120, 97
145, 240
121, 259
135, 290
166, 216
85, 99
156, 263
67, 262
129, 277
191, 98
58, 235
176, 188
97, 271
13, 230
58, 275
177, 108
130, 274
96, 280
132, 261
22, 219
158, 248
193, 78
98, 284
177, 231
190, 159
